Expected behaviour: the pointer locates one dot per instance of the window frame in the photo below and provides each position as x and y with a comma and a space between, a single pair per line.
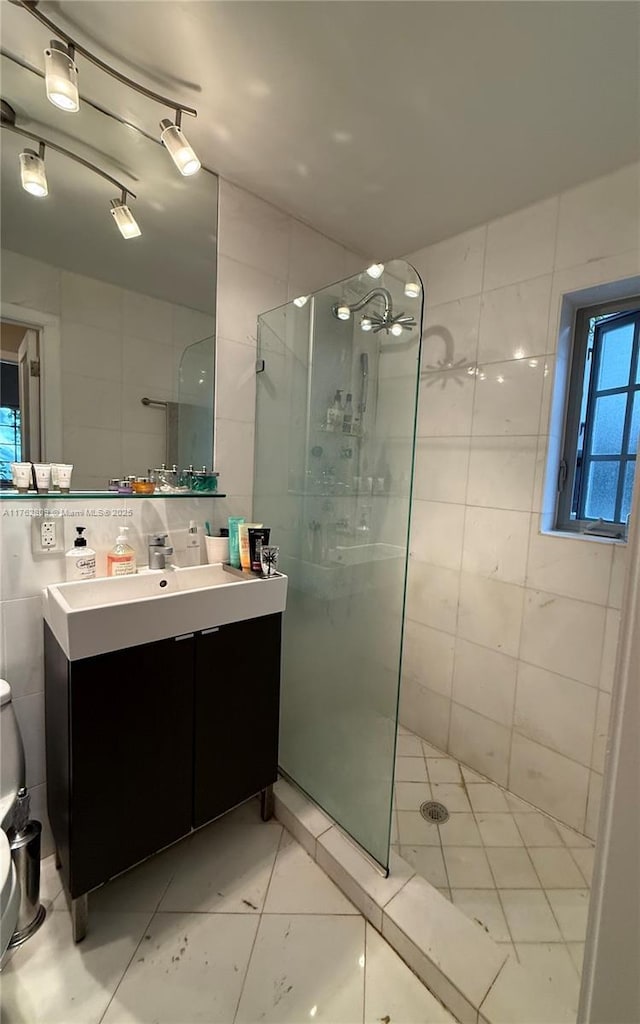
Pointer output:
569, 452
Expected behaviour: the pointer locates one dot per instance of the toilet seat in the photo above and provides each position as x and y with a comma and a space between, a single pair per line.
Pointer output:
9, 894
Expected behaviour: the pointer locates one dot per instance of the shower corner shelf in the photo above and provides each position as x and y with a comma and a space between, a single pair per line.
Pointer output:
322, 429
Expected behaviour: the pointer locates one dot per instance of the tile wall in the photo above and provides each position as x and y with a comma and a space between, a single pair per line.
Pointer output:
265, 258
511, 634
116, 346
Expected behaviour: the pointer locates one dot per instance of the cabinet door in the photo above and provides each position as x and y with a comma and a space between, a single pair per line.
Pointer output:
131, 717
237, 699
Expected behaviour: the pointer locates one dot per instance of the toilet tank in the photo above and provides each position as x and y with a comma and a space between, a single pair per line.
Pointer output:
12, 773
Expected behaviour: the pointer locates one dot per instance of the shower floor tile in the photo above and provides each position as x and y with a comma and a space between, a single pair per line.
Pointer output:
513, 870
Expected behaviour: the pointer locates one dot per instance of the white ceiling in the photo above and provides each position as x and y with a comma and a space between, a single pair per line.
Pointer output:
386, 125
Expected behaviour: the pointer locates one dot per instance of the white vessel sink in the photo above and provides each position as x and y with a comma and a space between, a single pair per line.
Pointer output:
91, 617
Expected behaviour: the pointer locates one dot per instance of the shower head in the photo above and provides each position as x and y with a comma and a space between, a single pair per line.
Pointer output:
392, 323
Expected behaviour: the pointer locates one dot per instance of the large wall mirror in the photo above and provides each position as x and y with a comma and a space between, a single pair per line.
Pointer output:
107, 343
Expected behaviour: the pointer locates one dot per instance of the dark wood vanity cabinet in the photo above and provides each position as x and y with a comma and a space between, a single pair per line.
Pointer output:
145, 744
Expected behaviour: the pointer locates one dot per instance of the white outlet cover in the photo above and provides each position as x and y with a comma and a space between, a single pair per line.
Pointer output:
36, 536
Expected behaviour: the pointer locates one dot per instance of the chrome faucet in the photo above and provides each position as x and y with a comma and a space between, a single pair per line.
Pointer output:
158, 551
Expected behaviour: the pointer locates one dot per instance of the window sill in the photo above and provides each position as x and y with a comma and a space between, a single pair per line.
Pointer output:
580, 535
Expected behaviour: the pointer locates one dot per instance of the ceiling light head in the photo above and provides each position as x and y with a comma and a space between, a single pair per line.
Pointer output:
396, 330
32, 172
376, 270
127, 224
366, 324
301, 301
412, 289
61, 76
179, 149
343, 312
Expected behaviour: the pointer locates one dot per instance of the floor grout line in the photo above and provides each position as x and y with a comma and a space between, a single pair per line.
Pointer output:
122, 976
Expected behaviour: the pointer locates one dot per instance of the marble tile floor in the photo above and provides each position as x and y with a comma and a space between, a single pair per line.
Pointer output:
234, 924
516, 872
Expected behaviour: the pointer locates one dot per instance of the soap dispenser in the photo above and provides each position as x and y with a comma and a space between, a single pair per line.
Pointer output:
192, 554
121, 560
80, 560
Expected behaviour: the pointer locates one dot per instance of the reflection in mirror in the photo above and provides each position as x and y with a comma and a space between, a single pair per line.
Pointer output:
93, 322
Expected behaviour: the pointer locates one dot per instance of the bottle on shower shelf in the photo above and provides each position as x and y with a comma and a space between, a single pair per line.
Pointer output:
335, 413
347, 416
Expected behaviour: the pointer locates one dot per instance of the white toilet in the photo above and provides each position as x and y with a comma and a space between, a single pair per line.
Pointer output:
12, 778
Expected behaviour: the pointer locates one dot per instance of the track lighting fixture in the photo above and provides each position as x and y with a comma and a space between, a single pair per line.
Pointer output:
61, 76
127, 224
34, 178
301, 301
177, 146
366, 323
32, 172
343, 312
412, 289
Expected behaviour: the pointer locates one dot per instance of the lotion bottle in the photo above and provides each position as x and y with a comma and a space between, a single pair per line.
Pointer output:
80, 560
121, 560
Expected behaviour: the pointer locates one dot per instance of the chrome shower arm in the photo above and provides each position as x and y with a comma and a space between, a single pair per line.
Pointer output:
374, 293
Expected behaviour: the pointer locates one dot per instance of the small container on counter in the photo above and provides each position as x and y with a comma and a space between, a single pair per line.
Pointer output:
143, 485
124, 487
43, 476
21, 474
64, 472
114, 484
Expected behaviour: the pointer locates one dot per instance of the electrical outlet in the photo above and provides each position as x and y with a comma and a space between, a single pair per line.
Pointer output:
47, 536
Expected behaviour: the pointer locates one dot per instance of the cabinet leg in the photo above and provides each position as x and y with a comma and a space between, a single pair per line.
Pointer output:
80, 917
266, 803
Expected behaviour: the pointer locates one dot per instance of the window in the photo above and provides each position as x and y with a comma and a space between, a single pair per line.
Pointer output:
10, 446
603, 417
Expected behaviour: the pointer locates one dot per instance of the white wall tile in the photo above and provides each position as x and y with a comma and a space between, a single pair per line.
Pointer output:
618, 575
490, 612
480, 743
146, 317
568, 566
315, 261
549, 781
601, 732
453, 268
495, 543
521, 245
425, 712
484, 681
427, 656
450, 333
446, 404
432, 595
514, 321
436, 533
593, 805
30, 283
501, 472
95, 451
244, 293
91, 351
599, 218
555, 711
23, 657
441, 468
30, 715
90, 402
236, 381
609, 650
93, 303
234, 456
508, 399
252, 231
563, 635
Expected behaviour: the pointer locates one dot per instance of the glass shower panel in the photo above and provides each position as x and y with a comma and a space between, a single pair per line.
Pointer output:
336, 493
194, 412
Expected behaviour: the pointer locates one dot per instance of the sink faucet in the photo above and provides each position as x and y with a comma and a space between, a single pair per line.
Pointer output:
158, 551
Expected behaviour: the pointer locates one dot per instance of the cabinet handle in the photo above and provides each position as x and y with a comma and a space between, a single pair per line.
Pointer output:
184, 636
213, 629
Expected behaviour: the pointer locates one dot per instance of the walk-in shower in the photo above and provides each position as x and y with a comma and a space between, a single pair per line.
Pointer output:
335, 423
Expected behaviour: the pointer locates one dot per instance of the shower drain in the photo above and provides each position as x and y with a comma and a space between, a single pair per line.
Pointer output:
434, 812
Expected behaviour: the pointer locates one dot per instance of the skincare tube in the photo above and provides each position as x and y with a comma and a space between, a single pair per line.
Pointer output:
64, 477
257, 538
245, 556
21, 472
54, 477
234, 540
43, 476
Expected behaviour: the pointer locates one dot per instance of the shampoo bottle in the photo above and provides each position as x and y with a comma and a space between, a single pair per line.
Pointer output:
121, 560
192, 554
80, 560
